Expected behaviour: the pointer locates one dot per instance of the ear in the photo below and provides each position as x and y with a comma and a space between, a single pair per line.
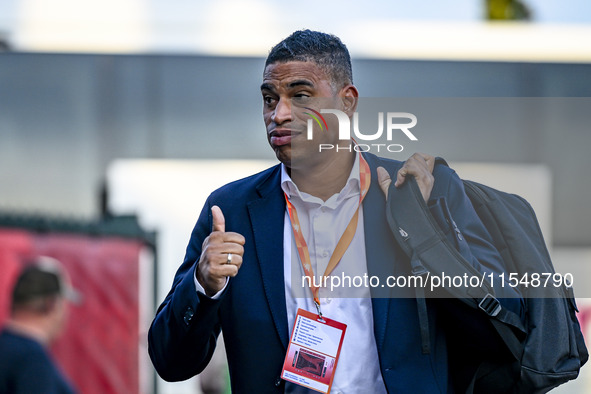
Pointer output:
47, 304
349, 95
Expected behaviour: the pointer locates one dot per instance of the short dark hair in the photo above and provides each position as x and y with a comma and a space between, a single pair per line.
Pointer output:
41, 278
326, 50
35, 283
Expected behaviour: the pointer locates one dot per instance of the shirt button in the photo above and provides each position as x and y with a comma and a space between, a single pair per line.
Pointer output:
325, 253
323, 209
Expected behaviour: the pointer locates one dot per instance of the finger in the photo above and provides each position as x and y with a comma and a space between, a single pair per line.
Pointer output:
233, 270
237, 250
226, 266
217, 253
401, 175
218, 238
420, 166
219, 223
235, 260
429, 160
223, 270
417, 165
235, 238
384, 180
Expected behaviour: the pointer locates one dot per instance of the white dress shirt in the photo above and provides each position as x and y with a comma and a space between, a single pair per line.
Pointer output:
322, 224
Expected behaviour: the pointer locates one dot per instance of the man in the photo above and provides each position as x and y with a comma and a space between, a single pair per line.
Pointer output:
236, 276
38, 315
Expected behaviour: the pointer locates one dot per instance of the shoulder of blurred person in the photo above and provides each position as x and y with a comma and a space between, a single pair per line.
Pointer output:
27, 367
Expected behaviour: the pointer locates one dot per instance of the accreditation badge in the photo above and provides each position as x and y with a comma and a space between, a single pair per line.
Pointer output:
313, 351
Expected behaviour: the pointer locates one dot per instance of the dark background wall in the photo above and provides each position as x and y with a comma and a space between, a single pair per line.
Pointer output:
64, 118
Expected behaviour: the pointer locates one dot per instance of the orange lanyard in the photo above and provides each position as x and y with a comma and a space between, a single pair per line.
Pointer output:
344, 241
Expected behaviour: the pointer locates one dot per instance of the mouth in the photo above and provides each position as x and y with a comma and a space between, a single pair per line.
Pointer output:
281, 137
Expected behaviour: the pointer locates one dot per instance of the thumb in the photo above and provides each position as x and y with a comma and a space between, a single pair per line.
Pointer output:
219, 223
384, 180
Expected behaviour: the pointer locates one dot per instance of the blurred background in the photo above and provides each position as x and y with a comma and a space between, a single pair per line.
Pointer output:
118, 118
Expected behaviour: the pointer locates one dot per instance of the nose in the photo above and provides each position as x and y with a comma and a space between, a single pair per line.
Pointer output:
282, 111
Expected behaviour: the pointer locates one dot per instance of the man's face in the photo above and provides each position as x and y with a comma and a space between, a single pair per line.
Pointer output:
287, 89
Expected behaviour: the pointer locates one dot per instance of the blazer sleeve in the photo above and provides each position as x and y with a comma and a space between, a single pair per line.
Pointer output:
183, 334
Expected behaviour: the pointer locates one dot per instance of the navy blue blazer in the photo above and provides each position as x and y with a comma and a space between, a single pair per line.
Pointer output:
252, 312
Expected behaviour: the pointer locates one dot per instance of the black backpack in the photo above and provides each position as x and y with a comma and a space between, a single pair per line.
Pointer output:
549, 350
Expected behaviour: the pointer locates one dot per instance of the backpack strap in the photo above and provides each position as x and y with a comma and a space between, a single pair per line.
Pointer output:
432, 254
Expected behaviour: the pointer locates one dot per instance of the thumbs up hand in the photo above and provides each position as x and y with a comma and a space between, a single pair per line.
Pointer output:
221, 255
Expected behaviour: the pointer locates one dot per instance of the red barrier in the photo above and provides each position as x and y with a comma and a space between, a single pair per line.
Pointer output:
585, 320
14, 245
99, 349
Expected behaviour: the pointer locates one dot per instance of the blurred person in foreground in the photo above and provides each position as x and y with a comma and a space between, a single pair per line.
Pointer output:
38, 315
236, 276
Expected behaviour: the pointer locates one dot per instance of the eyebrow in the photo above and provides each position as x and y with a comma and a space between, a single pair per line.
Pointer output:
267, 86
299, 82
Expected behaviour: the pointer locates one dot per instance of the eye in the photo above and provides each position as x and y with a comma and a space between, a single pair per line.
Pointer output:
268, 99
301, 97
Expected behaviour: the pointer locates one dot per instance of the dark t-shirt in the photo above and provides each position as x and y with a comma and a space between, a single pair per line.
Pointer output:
26, 367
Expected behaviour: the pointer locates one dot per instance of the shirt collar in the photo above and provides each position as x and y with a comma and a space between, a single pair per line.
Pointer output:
352, 186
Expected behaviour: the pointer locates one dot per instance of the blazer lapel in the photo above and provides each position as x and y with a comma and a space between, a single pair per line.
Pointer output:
266, 215
379, 249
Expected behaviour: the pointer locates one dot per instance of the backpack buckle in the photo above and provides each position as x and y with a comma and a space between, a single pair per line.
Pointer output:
490, 305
